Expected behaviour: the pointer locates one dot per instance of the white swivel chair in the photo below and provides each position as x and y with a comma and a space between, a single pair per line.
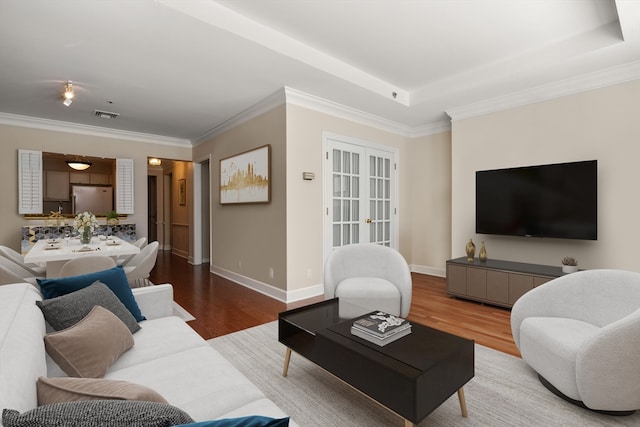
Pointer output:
86, 264
18, 258
581, 334
370, 276
10, 272
140, 244
139, 267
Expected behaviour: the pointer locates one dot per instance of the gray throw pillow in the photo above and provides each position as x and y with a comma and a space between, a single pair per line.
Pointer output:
67, 310
98, 413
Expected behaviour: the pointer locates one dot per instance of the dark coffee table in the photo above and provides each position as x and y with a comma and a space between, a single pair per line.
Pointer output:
411, 376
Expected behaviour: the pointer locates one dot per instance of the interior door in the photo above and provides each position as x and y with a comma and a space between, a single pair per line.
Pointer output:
360, 195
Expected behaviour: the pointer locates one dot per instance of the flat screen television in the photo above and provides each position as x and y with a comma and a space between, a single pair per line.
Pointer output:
556, 200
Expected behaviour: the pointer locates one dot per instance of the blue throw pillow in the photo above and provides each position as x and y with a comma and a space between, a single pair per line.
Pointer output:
114, 278
252, 421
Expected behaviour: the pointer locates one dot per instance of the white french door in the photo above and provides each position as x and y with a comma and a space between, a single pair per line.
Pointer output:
360, 196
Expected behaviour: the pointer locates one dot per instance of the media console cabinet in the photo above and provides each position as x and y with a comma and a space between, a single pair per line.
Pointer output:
494, 281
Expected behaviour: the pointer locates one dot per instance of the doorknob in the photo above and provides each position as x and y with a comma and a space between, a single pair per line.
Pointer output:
368, 220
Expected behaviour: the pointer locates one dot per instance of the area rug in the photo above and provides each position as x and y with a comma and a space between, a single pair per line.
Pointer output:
504, 391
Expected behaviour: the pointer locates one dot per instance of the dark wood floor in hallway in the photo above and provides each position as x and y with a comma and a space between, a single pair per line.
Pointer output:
221, 306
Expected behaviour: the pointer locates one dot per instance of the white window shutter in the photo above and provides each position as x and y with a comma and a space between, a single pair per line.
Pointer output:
29, 182
124, 186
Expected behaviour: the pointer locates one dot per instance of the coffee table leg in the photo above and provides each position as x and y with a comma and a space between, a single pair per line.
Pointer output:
287, 359
463, 402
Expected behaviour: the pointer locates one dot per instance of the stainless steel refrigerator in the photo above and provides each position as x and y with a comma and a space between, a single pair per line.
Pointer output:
95, 199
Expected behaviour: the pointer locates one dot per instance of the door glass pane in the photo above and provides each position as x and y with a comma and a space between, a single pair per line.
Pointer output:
346, 208
387, 231
346, 191
380, 191
336, 235
337, 165
387, 210
356, 233
356, 163
346, 234
387, 168
380, 167
355, 209
372, 188
355, 187
387, 189
380, 233
372, 209
337, 205
372, 166
380, 210
347, 162
336, 185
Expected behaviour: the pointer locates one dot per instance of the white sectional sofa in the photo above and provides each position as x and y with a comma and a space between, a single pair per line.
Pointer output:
167, 356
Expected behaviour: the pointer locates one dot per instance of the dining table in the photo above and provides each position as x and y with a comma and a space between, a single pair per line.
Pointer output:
55, 252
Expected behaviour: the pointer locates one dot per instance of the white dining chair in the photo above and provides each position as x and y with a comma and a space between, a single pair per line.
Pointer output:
140, 265
18, 258
86, 264
140, 244
10, 272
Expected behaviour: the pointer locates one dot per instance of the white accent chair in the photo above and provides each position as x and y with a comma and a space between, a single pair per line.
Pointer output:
139, 267
86, 264
370, 276
581, 334
18, 258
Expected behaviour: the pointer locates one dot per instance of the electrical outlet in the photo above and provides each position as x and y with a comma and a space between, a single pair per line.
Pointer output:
308, 273
239, 264
270, 272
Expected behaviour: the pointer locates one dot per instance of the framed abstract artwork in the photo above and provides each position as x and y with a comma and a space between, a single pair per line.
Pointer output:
246, 177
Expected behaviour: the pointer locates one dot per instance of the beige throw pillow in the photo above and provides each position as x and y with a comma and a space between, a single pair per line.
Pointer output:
89, 348
58, 390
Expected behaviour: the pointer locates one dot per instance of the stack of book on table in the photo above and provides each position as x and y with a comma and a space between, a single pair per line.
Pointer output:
380, 328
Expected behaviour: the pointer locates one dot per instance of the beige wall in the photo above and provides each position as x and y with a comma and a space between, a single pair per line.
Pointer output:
430, 197
14, 137
250, 239
601, 124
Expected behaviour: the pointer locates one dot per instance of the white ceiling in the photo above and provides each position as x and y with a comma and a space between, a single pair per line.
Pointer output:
182, 68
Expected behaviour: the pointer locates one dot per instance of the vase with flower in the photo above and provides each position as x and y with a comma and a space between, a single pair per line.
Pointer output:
85, 223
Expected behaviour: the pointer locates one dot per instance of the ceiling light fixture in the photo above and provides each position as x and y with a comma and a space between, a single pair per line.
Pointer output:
78, 165
155, 162
68, 93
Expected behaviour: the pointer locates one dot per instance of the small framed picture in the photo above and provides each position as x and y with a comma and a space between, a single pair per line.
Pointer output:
182, 191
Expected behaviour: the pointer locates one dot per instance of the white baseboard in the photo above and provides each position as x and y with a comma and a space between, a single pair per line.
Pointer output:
431, 271
269, 290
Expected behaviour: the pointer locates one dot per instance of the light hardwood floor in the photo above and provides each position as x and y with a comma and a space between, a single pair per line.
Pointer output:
221, 306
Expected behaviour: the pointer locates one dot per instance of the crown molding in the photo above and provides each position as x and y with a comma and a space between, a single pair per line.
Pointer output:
269, 103
322, 105
295, 97
586, 82
60, 126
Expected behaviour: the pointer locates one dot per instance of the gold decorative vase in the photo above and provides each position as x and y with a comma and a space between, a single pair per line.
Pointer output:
483, 253
471, 250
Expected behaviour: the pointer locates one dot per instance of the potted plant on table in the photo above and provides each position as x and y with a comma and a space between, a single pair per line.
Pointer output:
112, 218
569, 265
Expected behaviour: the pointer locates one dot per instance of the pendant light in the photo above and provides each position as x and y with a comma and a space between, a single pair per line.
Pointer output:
78, 165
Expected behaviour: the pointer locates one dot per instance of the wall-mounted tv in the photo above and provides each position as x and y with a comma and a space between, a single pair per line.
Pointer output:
556, 200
